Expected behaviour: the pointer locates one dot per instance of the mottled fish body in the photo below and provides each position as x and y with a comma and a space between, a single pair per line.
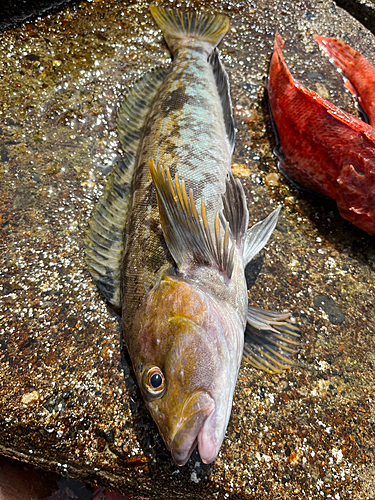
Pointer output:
184, 132
179, 276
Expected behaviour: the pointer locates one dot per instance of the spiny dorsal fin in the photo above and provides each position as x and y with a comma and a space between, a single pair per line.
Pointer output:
189, 239
235, 209
204, 27
271, 339
222, 84
104, 241
258, 235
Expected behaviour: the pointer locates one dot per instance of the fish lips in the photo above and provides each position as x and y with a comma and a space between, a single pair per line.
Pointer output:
195, 415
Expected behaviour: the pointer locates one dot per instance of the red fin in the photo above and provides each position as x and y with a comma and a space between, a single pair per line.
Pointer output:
355, 67
351, 89
342, 55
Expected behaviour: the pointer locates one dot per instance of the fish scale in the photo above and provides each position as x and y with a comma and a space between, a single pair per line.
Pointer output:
182, 135
187, 131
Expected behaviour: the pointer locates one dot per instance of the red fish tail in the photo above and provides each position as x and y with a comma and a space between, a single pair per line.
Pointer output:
296, 111
356, 68
342, 55
278, 69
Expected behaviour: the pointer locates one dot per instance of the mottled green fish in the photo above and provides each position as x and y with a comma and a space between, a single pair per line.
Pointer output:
168, 243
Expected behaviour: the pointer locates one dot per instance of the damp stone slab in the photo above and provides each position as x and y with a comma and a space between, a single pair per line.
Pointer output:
68, 399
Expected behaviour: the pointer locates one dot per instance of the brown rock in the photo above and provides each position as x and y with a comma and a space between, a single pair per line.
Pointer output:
59, 340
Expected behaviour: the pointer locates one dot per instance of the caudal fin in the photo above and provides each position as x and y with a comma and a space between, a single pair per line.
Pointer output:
356, 68
184, 25
341, 54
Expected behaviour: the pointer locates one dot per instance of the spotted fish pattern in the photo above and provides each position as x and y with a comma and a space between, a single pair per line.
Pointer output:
185, 132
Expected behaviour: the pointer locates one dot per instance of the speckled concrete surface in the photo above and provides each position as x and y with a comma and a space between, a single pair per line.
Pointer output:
68, 401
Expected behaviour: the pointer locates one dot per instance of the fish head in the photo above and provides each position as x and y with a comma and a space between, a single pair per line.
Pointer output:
184, 369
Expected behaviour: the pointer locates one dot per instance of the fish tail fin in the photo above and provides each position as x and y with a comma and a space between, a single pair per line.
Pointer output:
356, 68
178, 27
342, 55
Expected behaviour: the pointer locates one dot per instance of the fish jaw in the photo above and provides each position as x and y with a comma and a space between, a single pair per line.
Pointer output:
200, 406
207, 445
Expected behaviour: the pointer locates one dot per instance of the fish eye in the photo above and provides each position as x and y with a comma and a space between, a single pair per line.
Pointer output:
154, 381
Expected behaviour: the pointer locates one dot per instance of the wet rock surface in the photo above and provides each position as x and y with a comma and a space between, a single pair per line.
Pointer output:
68, 400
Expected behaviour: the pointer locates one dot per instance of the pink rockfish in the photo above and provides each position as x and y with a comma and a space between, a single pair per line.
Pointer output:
324, 148
168, 243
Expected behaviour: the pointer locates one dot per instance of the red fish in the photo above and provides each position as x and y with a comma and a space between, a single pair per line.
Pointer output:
325, 149
356, 68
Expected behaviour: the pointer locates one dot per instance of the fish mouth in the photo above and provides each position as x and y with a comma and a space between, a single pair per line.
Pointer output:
195, 413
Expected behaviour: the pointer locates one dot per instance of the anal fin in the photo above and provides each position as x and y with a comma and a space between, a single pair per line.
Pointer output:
235, 209
271, 339
250, 241
259, 234
105, 237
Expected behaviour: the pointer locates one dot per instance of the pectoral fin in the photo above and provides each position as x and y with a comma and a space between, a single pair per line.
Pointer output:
258, 235
271, 339
222, 84
189, 238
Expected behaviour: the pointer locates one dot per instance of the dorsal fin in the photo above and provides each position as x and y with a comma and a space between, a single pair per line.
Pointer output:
222, 84
104, 240
190, 239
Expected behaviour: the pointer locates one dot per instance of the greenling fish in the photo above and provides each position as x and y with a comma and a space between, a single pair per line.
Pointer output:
168, 243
